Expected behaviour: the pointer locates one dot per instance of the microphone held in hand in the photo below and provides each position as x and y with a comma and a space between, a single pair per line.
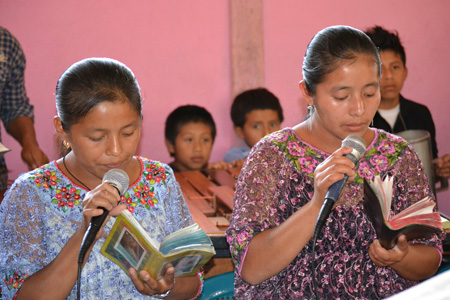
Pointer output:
119, 180
359, 147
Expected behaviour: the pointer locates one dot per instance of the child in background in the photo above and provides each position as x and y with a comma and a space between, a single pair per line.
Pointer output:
396, 113
255, 113
190, 132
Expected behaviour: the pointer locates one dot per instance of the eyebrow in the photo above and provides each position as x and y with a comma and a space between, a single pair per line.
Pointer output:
340, 88
105, 130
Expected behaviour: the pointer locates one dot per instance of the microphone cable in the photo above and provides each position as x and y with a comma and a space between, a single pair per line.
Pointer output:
334, 191
119, 180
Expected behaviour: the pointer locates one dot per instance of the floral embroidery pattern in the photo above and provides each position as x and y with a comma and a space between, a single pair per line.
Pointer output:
68, 196
45, 178
375, 161
144, 194
304, 158
14, 280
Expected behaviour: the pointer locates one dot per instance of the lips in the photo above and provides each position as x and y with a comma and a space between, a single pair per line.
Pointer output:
355, 126
389, 88
197, 160
114, 165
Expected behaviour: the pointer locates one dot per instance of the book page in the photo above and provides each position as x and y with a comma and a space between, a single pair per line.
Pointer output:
383, 192
128, 247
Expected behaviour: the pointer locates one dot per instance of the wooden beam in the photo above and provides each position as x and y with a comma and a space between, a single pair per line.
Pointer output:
247, 45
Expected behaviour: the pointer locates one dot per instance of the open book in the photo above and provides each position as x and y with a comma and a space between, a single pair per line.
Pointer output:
128, 245
416, 222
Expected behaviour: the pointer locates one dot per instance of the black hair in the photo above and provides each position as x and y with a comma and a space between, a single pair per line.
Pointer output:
386, 40
332, 46
254, 99
91, 81
185, 114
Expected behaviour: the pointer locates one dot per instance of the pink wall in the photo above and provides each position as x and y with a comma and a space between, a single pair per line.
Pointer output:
179, 51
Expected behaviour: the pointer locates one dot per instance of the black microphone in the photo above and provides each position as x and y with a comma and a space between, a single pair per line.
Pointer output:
119, 179
359, 147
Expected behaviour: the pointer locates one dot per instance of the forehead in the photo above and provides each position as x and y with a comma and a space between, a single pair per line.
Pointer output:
261, 115
195, 128
390, 56
109, 115
361, 70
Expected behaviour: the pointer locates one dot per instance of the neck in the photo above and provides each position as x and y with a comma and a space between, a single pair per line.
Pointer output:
389, 103
70, 174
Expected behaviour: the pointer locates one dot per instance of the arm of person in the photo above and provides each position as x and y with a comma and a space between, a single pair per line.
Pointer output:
48, 283
443, 166
22, 129
412, 262
219, 165
283, 243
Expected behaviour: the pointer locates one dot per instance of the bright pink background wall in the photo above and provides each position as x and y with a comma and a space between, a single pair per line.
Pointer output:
180, 53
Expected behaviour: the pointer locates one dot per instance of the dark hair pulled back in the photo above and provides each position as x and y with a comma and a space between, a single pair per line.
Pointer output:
92, 81
332, 46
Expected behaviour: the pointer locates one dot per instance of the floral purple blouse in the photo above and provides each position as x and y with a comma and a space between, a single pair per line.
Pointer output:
277, 180
42, 210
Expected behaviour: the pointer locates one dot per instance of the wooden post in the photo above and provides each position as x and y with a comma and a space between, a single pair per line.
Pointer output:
247, 45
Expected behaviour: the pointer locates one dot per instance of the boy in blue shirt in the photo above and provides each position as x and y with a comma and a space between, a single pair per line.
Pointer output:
255, 113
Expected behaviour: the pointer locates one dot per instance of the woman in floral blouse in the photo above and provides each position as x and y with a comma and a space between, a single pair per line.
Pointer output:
47, 211
282, 187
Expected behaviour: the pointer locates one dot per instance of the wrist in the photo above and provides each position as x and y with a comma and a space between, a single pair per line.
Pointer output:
166, 294
162, 296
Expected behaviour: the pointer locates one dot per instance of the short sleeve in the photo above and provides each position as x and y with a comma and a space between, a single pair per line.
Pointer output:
257, 201
21, 233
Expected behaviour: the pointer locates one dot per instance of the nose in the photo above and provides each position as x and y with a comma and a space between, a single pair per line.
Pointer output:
197, 145
386, 73
266, 129
114, 147
357, 106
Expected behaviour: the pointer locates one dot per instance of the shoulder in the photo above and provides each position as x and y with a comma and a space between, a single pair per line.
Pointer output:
5, 35
45, 180
412, 105
382, 140
155, 171
9, 45
236, 153
382, 154
285, 146
45, 175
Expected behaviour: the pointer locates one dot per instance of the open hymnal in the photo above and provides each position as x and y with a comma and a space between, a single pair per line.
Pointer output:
417, 221
129, 245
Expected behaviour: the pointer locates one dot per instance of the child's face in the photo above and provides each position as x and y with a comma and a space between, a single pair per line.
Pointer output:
393, 75
258, 123
192, 146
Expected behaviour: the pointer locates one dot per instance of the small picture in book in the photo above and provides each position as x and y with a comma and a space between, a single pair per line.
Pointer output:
130, 248
185, 264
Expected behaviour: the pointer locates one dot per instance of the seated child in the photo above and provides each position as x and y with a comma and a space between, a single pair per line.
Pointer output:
190, 132
255, 113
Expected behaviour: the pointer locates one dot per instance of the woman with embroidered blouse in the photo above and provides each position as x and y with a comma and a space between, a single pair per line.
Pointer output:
47, 211
282, 186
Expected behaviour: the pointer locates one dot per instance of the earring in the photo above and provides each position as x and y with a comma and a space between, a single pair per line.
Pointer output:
66, 144
311, 110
